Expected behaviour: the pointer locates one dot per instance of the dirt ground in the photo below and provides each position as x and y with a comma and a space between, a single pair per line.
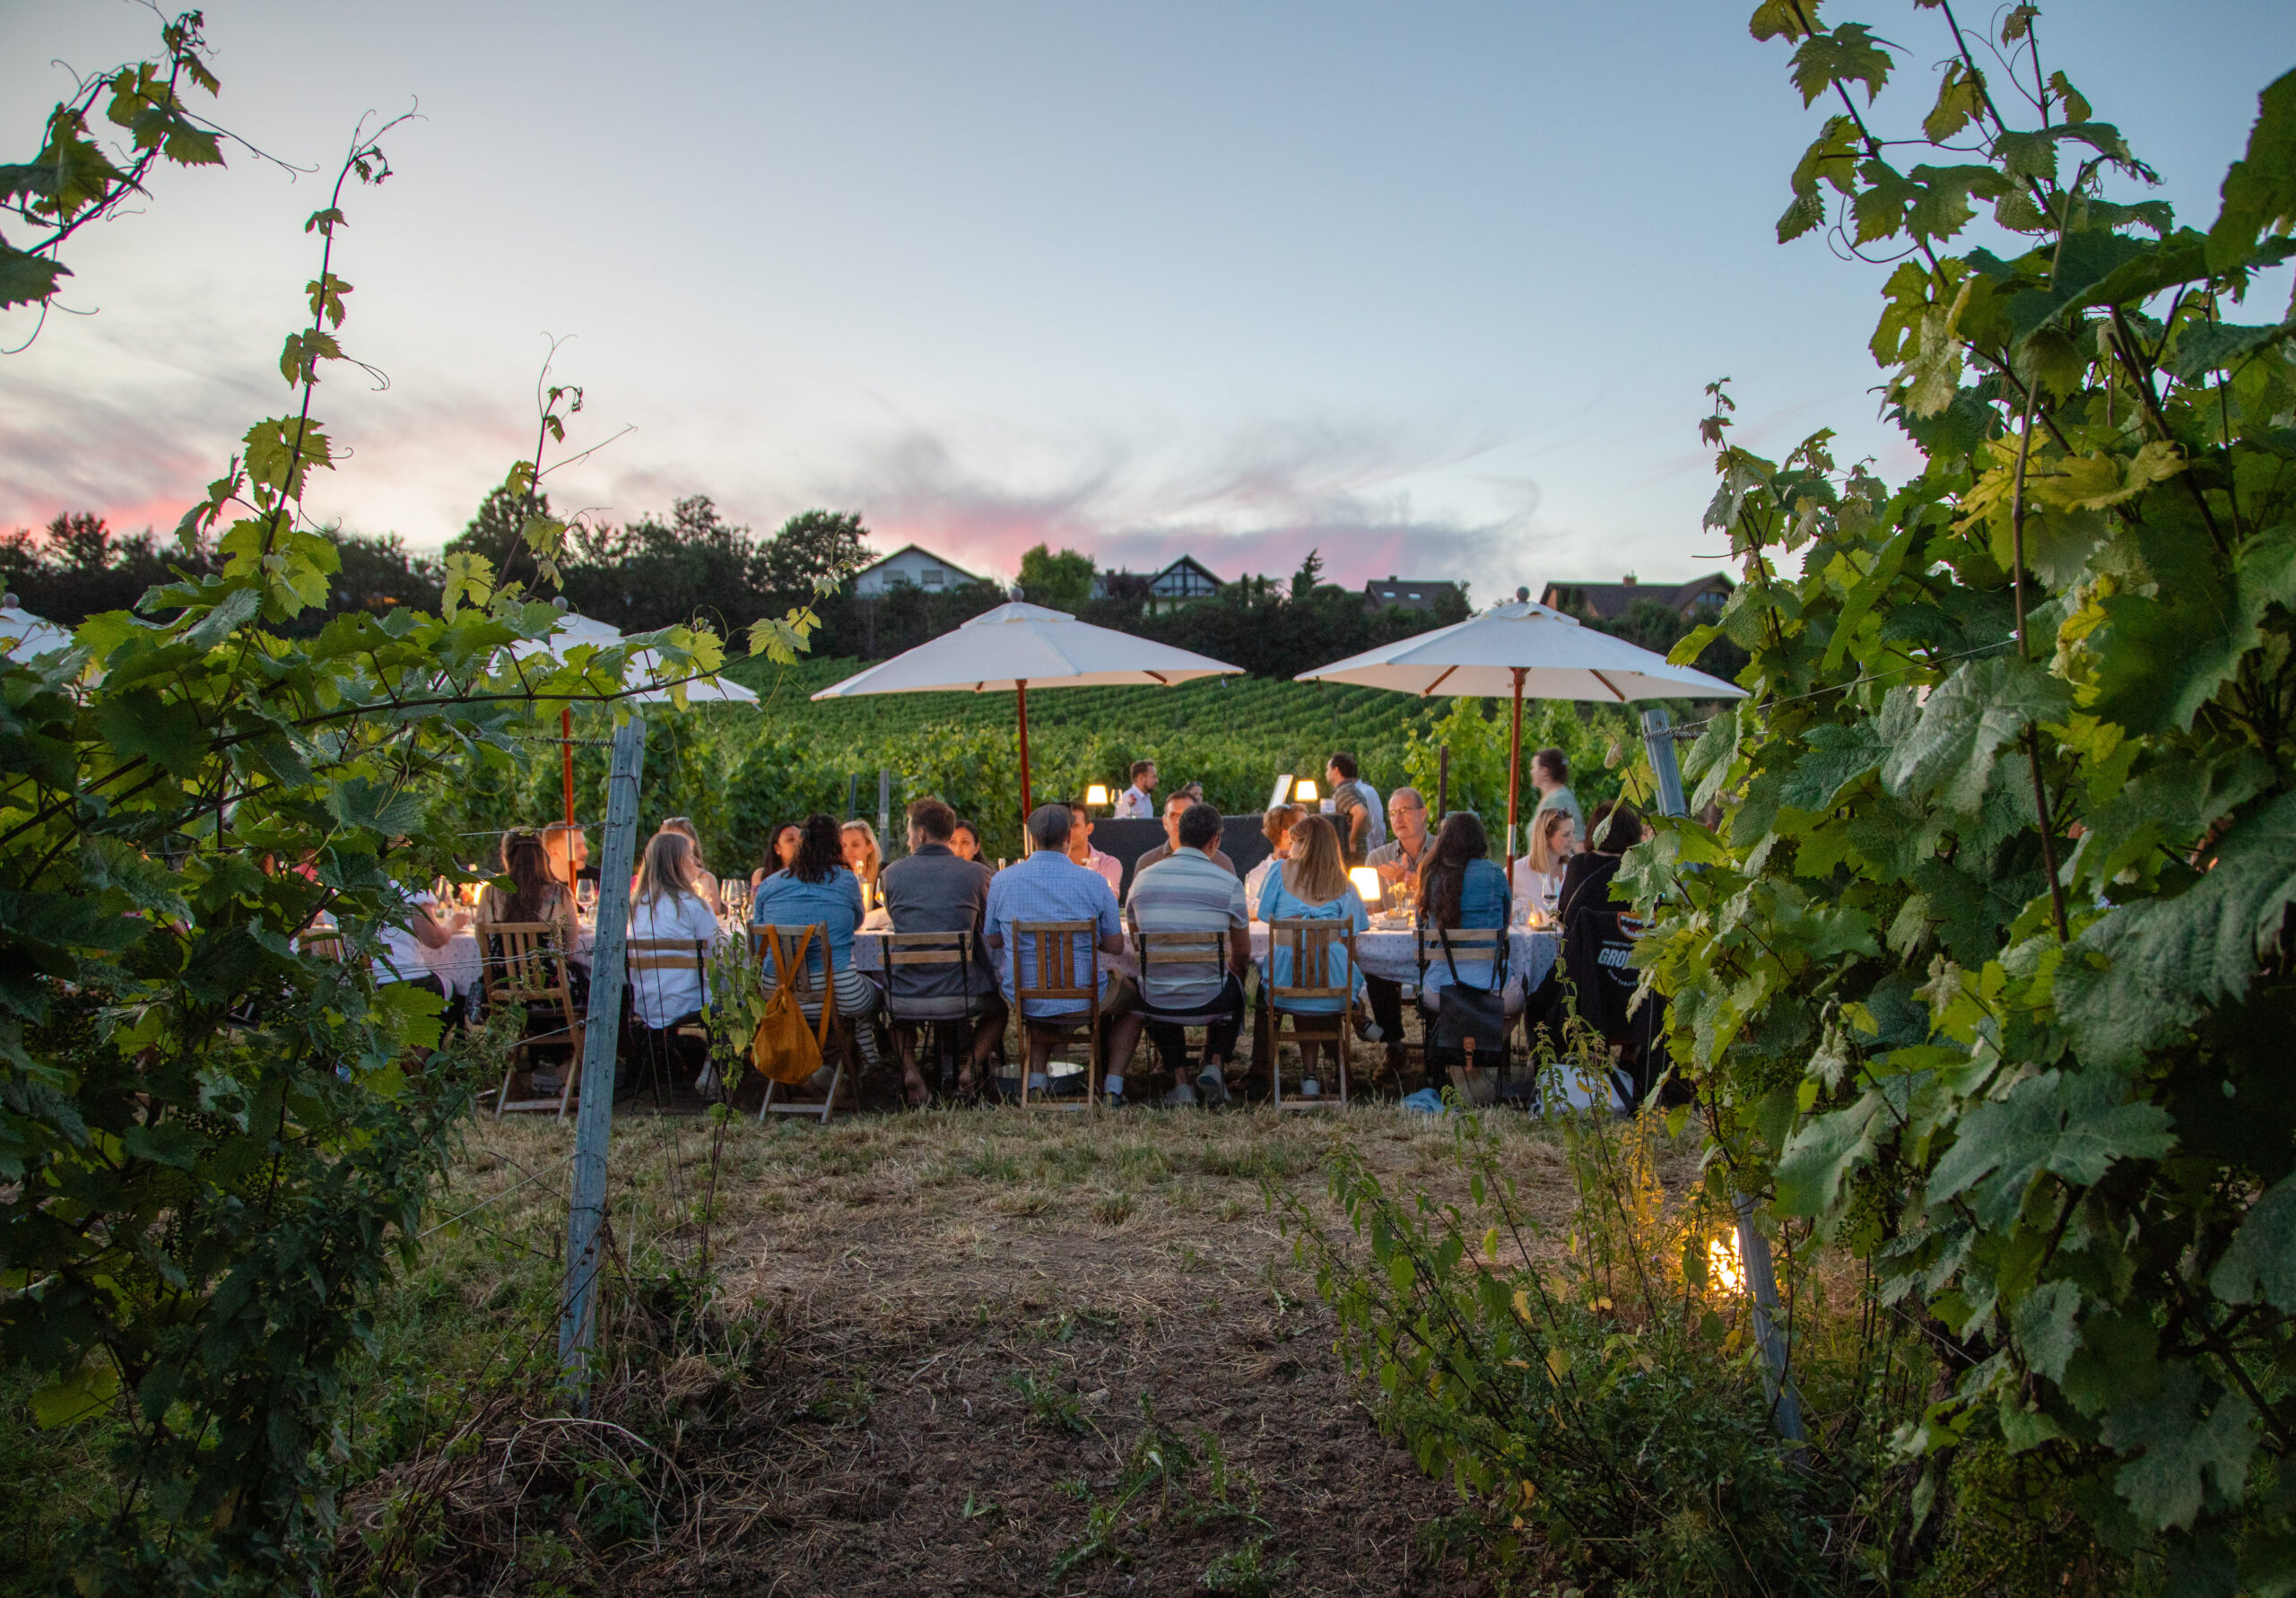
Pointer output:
1005, 1352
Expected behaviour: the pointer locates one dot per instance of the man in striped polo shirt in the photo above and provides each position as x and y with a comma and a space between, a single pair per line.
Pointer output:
1188, 891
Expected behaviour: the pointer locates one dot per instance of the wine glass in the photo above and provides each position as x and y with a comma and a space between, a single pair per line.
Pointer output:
585, 896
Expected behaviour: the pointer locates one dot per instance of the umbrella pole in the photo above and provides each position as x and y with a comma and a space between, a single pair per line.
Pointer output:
1513, 772
1021, 685
566, 745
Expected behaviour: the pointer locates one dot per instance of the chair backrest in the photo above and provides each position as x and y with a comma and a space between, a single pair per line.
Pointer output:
1485, 947
650, 956
762, 935
523, 961
912, 959
1061, 948
1308, 945
1204, 953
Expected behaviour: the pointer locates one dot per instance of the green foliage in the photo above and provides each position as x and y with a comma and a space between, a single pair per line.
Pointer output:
1062, 581
1598, 1391
1985, 973
216, 1139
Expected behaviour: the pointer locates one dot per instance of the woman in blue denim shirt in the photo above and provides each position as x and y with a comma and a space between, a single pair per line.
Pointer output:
1460, 887
817, 887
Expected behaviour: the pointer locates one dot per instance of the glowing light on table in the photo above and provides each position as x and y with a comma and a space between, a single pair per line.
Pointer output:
1367, 883
1098, 793
1305, 792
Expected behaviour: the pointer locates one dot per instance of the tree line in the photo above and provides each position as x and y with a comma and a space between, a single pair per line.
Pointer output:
695, 566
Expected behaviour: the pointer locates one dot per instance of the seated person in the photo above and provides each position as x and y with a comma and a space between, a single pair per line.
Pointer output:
1397, 861
964, 841
1538, 875
704, 884
818, 889
780, 849
863, 857
1174, 808
933, 889
569, 852
1046, 886
1617, 828
1275, 826
666, 906
1460, 887
536, 895
1313, 885
1080, 849
1186, 892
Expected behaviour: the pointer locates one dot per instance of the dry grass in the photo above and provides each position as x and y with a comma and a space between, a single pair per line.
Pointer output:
934, 1344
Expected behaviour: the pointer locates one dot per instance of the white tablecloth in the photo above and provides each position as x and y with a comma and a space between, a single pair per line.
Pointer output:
458, 967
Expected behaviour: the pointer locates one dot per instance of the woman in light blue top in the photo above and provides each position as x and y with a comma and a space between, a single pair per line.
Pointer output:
1312, 885
1460, 887
817, 888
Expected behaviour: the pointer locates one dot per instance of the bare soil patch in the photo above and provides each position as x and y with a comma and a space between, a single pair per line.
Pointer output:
1001, 1353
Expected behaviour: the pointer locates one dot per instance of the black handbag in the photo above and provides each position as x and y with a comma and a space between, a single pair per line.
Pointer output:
1470, 1027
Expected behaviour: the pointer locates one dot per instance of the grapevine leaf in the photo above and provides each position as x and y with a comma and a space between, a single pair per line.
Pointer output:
2260, 189
2261, 1263
1841, 753
1848, 55
2047, 1324
2071, 1125
27, 279
1982, 706
2133, 980
2203, 348
2184, 1451
2162, 657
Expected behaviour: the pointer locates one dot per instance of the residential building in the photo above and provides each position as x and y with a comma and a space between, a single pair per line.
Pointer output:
1697, 600
913, 567
1411, 594
1184, 580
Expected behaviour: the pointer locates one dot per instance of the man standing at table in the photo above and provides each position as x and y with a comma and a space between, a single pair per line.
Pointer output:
1138, 802
1080, 849
1396, 863
1354, 810
1551, 775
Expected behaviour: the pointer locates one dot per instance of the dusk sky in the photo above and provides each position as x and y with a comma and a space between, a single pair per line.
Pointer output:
1434, 289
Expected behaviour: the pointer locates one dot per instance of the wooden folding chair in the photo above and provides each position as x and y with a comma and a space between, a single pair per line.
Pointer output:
911, 961
524, 966
1308, 946
648, 957
1160, 952
1062, 948
819, 1003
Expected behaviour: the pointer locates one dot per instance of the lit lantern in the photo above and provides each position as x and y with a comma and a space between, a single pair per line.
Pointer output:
1305, 792
1367, 884
1098, 793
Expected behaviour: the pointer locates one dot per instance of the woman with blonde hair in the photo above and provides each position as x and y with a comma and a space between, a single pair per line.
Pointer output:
666, 907
1538, 875
862, 856
1312, 885
1277, 827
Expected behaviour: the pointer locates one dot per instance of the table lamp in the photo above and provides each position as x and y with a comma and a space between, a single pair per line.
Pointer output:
1305, 791
1098, 793
1367, 884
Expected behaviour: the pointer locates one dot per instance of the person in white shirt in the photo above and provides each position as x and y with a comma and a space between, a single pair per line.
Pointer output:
1538, 875
402, 946
1080, 849
1138, 802
667, 906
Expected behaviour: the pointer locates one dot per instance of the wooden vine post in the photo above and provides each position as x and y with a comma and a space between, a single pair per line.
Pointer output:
586, 1214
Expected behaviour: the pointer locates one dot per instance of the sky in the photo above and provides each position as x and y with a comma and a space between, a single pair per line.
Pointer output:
1434, 291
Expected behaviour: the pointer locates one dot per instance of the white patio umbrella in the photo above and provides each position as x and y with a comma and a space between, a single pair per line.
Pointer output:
573, 629
1523, 647
23, 635
1016, 644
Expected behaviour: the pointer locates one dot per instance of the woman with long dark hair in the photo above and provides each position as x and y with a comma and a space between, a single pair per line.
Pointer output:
1617, 827
1460, 887
780, 849
538, 894
817, 888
